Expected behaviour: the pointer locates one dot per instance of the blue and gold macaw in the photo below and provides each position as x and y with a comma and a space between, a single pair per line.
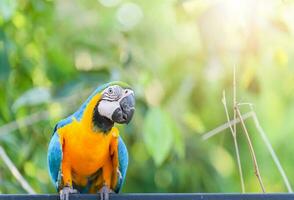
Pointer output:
86, 153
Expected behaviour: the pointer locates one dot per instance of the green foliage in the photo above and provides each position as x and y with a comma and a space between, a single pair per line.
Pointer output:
178, 57
158, 134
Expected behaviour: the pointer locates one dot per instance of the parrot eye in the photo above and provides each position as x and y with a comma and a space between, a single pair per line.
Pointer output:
112, 93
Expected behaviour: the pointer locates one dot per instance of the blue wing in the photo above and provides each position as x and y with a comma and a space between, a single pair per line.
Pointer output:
54, 157
123, 160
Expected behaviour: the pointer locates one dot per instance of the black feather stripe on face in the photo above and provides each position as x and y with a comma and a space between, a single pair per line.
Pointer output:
101, 123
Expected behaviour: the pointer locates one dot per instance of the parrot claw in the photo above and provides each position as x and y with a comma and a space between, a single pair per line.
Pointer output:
104, 192
66, 191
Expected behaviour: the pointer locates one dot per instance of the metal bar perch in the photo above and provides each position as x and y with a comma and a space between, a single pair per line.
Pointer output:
157, 196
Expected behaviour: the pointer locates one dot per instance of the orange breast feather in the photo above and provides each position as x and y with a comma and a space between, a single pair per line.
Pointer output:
85, 151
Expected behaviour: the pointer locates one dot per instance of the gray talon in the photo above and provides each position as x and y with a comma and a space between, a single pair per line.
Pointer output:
64, 192
104, 192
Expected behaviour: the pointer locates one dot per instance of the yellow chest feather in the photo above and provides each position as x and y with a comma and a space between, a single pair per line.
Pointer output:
85, 150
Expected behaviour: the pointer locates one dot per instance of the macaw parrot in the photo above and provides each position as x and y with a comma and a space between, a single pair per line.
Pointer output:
86, 153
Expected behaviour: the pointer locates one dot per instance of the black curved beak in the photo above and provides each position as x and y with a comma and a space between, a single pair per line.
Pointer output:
125, 112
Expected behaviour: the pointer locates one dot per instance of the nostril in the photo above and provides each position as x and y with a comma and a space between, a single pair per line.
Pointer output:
126, 91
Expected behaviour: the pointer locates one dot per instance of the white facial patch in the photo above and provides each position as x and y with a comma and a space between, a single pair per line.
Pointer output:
111, 99
107, 108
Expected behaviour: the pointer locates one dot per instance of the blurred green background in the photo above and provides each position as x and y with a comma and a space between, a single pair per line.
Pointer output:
178, 55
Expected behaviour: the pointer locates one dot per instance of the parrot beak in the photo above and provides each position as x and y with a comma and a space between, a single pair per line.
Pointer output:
125, 112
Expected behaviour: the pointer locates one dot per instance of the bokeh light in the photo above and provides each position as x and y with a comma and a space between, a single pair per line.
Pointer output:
129, 15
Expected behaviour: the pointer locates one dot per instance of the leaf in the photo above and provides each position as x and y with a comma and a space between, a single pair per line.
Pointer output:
178, 141
158, 134
4, 63
31, 97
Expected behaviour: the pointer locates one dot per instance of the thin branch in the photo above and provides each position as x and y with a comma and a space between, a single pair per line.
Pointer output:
245, 104
224, 126
235, 143
272, 152
235, 129
246, 116
252, 153
25, 185
235, 98
40, 115
24, 122
242, 118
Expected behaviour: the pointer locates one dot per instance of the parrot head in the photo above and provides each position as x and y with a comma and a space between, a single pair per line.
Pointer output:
116, 105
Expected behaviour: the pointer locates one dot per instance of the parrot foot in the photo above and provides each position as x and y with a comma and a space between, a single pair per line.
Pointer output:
104, 192
66, 191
